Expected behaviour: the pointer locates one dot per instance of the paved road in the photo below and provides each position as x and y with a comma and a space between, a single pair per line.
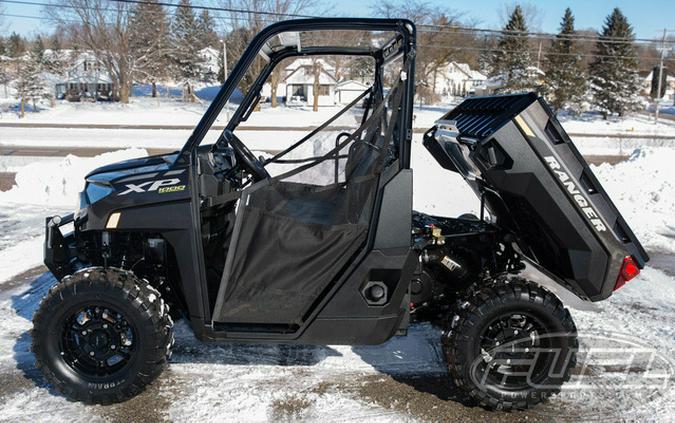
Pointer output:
57, 125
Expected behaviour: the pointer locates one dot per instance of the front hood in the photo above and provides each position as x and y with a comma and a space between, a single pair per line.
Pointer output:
126, 168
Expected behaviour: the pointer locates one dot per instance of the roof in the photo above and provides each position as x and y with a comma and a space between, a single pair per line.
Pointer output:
477, 75
351, 85
466, 70
307, 61
209, 51
304, 75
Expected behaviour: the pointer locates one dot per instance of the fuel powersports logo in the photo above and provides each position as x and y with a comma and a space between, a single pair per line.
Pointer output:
617, 373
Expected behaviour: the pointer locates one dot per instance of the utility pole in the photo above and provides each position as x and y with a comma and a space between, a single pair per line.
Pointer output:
227, 107
224, 59
539, 56
660, 76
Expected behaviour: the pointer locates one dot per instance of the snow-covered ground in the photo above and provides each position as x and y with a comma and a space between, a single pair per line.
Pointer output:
165, 111
403, 379
172, 111
590, 131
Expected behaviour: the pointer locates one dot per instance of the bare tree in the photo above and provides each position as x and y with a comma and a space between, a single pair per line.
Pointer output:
245, 21
438, 32
102, 26
275, 78
534, 15
2, 24
316, 86
340, 63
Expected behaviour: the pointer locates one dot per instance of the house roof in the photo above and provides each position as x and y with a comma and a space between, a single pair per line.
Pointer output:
304, 75
462, 69
350, 85
307, 61
466, 69
209, 52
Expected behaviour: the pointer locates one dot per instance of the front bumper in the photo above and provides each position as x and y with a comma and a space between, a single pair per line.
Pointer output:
59, 248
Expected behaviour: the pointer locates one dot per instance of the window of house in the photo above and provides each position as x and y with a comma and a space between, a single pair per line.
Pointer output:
324, 89
298, 90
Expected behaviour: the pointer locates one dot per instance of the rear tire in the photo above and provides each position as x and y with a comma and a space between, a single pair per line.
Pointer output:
494, 326
102, 335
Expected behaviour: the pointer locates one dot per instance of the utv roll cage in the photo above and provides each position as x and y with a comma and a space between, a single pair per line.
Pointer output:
402, 44
399, 47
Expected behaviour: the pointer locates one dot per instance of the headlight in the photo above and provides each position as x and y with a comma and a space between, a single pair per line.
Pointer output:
95, 191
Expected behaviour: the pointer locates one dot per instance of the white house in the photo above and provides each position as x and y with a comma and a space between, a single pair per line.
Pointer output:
84, 77
670, 84
210, 63
299, 82
456, 79
493, 84
347, 91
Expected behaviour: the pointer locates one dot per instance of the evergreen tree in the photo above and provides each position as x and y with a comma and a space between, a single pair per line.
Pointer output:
149, 35
55, 42
29, 84
16, 45
185, 59
5, 76
221, 62
565, 79
56, 62
615, 84
208, 37
512, 64
39, 51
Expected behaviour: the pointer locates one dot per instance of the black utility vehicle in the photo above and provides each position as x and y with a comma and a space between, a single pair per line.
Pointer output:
325, 248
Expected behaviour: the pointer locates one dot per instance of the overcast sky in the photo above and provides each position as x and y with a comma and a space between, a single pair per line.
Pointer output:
648, 17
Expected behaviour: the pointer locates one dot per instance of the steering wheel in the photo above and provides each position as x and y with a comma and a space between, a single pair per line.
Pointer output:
244, 156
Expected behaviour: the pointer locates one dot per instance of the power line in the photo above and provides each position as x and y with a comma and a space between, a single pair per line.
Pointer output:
294, 15
457, 29
546, 35
220, 9
105, 9
428, 46
421, 45
41, 18
471, 48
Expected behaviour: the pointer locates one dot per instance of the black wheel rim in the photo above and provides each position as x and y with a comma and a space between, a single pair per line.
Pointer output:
97, 341
514, 352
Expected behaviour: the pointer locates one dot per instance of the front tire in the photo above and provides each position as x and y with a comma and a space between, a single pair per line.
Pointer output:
102, 335
511, 345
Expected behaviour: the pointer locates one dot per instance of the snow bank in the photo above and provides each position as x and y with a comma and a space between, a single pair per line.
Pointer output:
643, 189
57, 184
20, 257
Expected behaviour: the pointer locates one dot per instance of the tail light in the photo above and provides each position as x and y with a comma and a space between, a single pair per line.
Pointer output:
628, 271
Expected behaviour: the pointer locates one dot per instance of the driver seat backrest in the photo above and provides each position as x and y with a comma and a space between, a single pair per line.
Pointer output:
363, 157
364, 153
